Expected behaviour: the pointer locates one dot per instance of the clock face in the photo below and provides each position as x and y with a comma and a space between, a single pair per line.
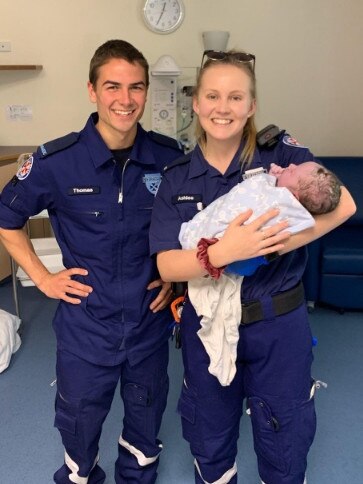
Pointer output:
163, 16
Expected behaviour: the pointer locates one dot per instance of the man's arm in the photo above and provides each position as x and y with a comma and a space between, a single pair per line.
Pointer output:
56, 286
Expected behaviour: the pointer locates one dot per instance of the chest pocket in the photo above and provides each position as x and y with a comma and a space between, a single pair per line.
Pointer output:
137, 210
140, 189
187, 205
85, 228
187, 211
145, 203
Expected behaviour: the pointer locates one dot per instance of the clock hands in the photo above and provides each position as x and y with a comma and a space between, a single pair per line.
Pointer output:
161, 13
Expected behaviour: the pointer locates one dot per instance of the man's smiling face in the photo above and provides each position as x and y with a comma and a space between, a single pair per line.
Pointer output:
120, 94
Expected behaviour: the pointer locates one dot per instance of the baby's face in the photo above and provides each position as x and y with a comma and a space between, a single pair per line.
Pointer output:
289, 177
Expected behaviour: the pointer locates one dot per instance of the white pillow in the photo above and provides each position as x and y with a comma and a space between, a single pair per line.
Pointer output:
9, 338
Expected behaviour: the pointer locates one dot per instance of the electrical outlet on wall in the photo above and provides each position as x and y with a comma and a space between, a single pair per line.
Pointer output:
5, 46
188, 90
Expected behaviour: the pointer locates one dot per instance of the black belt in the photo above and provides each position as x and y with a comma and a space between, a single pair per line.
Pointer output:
282, 303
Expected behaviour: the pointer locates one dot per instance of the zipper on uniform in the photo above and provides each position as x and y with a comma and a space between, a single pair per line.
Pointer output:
121, 192
96, 213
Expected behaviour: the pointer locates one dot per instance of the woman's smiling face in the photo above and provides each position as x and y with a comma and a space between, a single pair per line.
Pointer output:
224, 102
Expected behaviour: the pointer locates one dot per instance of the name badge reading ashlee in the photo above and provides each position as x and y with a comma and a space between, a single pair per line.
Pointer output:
84, 191
186, 198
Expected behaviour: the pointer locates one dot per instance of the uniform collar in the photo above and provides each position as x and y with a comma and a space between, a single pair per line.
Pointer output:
98, 150
199, 165
101, 154
142, 151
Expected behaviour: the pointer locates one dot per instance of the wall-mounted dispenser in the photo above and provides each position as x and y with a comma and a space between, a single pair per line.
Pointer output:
215, 40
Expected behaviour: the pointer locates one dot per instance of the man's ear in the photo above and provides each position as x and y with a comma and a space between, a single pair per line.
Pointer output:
91, 92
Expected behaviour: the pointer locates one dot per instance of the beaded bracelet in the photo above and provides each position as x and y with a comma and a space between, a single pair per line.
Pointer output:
202, 256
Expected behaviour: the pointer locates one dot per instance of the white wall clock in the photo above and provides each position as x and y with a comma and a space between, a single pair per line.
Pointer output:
163, 16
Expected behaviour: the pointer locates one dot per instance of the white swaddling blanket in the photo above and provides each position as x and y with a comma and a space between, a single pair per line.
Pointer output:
219, 301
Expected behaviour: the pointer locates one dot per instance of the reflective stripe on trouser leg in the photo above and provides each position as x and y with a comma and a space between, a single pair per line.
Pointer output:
225, 479
142, 460
84, 396
305, 481
210, 413
74, 477
144, 390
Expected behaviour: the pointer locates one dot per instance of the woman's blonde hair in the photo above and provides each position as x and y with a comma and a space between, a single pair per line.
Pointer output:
249, 131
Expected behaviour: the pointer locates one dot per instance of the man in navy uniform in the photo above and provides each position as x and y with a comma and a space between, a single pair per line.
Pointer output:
112, 322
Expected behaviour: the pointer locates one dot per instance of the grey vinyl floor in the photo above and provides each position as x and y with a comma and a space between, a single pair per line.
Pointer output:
30, 448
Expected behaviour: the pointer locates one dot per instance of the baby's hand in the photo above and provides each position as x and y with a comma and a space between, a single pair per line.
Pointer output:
275, 169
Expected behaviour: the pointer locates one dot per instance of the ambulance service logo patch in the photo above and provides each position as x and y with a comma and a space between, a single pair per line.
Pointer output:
152, 182
290, 141
25, 168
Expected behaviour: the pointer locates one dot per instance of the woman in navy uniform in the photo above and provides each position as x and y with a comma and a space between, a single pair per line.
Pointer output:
112, 321
274, 354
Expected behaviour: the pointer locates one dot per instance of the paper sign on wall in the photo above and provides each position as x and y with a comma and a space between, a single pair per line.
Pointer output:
17, 112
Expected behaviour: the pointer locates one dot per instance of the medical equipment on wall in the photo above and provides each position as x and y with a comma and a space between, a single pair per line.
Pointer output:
163, 86
171, 100
172, 93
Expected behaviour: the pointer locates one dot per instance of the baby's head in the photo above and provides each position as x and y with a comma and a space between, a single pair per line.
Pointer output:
316, 188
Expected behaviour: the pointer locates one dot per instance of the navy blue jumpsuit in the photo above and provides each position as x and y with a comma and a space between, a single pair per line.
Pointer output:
100, 215
274, 354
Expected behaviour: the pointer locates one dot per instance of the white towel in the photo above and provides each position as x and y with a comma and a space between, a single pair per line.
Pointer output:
219, 304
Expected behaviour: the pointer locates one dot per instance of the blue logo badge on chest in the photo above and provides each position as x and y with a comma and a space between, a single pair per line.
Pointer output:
152, 182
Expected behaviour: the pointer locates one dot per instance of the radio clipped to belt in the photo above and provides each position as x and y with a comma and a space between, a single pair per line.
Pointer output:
176, 306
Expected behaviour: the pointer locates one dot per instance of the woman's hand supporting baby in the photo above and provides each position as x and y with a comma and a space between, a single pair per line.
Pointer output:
241, 241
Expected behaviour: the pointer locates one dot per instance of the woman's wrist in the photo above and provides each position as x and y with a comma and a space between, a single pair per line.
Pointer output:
217, 256
203, 256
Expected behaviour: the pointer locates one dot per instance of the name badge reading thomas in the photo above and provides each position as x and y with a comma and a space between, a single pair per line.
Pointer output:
84, 191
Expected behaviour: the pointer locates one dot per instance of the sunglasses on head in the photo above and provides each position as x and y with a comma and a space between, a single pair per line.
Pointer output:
216, 55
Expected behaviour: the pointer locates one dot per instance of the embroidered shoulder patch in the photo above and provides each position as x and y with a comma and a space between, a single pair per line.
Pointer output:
290, 141
25, 168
